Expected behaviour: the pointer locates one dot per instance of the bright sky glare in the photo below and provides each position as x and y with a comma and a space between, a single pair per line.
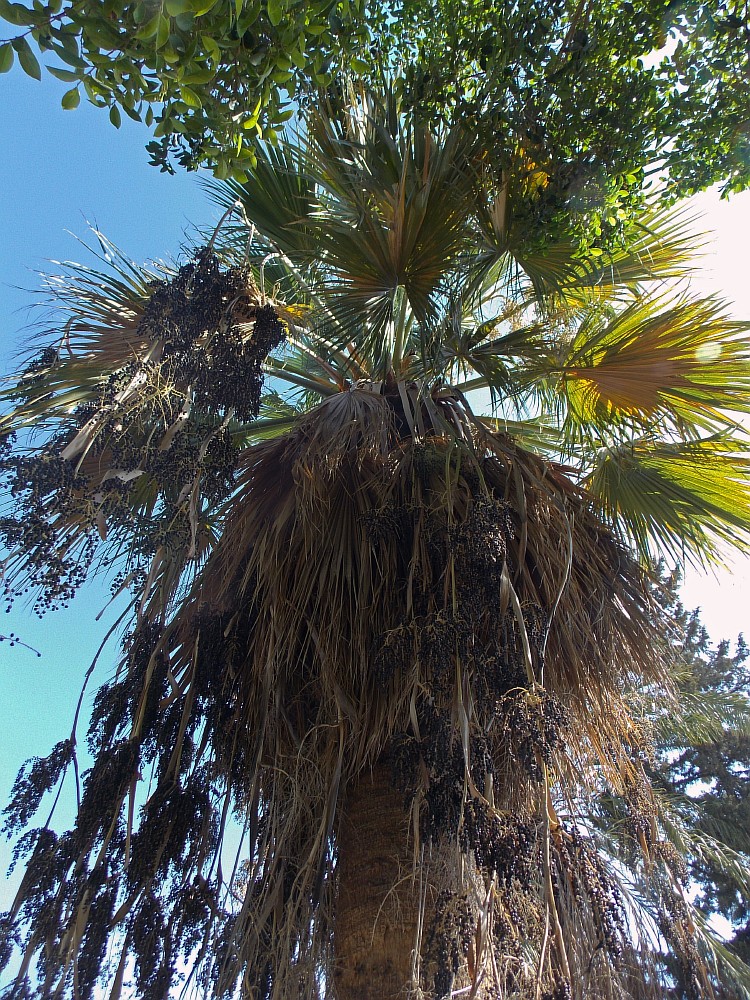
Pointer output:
724, 595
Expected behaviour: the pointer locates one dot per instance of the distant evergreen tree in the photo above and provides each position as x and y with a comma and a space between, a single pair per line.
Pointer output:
703, 770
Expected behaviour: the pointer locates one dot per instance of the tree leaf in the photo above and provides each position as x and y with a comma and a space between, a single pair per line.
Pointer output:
29, 62
199, 76
66, 75
162, 31
275, 11
298, 58
200, 7
212, 47
150, 28
69, 54
6, 57
114, 116
16, 13
131, 113
71, 99
185, 21
190, 97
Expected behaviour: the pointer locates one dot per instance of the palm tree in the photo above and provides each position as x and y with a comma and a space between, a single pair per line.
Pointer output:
386, 607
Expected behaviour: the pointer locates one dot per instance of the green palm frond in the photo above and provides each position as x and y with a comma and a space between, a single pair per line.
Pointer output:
370, 214
277, 415
280, 197
536, 435
679, 499
654, 877
137, 448
503, 357
701, 845
392, 221
730, 970
687, 360
689, 833
661, 245
296, 370
96, 332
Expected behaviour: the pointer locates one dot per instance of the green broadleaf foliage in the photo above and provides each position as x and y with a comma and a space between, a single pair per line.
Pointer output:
523, 77
66, 75
29, 62
190, 97
6, 57
69, 54
71, 99
275, 11
16, 13
162, 31
149, 29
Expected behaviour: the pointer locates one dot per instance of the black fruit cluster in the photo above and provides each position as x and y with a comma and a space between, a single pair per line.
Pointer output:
193, 317
448, 939
45, 493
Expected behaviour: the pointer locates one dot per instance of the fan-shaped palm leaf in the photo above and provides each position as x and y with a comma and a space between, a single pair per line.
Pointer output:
678, 499
685, 360
514, 243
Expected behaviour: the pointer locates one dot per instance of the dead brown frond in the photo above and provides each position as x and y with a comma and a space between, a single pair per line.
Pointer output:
438, 623
453, 605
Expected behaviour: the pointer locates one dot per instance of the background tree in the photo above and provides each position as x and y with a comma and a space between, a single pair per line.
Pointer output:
695, 822
704, 770
391, 632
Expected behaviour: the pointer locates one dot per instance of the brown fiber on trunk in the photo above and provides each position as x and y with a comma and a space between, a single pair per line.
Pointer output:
378, 901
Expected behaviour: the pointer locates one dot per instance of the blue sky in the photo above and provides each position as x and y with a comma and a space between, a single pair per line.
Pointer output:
59, 169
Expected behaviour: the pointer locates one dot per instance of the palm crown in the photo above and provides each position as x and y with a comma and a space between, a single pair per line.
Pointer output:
415, 560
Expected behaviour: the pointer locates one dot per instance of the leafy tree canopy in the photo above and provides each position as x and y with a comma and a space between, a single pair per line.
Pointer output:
593, 92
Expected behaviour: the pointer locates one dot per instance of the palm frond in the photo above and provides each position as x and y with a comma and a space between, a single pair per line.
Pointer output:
728, 967
679, 499
687, 360
393, 217
279, 198
138, 447
536, 435
704, 716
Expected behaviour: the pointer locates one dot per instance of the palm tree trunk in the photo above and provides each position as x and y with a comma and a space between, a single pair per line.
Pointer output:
378, 900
